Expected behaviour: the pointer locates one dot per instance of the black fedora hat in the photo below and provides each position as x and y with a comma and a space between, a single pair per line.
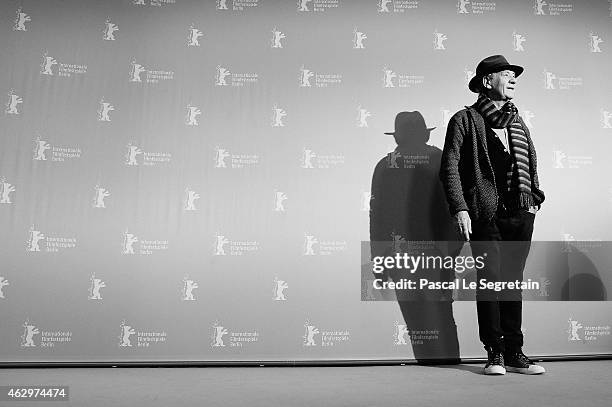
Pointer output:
410, 123
494, 63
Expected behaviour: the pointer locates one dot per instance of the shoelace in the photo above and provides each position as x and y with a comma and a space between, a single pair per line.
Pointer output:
497, 359
521, 356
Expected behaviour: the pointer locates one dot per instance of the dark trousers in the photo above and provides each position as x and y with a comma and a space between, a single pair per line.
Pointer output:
506, 240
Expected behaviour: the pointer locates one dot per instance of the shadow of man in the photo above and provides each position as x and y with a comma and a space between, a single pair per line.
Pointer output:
408, 206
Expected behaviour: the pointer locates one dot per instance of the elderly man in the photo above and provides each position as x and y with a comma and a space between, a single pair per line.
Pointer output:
488, 171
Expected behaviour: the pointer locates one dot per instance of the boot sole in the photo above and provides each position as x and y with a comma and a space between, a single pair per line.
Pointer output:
523, 370
495, 372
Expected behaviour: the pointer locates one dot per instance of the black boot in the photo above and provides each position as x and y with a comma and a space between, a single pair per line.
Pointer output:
517, 362
495, 363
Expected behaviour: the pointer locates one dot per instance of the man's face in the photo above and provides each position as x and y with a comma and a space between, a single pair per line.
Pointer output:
500, 85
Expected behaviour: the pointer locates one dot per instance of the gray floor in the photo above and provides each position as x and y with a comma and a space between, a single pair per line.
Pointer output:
583, 383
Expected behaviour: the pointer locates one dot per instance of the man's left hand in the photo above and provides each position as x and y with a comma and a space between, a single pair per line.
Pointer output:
533, 209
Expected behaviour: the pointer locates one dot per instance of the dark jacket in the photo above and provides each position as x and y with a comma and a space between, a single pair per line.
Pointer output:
466, 171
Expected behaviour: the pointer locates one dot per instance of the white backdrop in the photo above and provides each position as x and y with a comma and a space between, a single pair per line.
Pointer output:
167, 167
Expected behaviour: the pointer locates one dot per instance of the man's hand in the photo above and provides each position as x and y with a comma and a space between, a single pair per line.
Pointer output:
533, 209
464, 224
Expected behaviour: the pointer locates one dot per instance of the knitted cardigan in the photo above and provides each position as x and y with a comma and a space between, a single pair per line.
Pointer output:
466, 171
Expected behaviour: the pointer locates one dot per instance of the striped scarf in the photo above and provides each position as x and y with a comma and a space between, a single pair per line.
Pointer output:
518, 178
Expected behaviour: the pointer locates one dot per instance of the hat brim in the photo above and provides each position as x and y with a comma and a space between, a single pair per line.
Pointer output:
393, 133
475, 81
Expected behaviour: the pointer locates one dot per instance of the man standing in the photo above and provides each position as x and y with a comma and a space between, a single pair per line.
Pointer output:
488, 171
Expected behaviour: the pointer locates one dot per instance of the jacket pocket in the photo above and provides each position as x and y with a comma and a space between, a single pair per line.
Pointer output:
471, 200
470, 194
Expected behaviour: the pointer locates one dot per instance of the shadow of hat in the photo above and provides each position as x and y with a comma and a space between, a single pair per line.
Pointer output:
494, 63
410, 124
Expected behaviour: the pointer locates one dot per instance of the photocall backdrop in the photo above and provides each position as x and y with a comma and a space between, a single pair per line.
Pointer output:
190, 180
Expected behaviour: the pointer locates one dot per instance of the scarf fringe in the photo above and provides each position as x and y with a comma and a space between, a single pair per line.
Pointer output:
525, 200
